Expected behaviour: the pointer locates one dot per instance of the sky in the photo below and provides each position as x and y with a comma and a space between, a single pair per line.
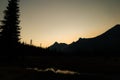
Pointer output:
47, 21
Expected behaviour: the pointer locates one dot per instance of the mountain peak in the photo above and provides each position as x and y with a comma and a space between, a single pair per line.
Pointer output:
116, 27
58, 46
56, 43
113, 32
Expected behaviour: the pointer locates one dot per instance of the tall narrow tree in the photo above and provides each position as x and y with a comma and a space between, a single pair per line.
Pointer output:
10, 29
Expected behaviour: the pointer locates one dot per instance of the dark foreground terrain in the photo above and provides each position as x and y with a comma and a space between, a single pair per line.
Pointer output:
97, 68
18, 73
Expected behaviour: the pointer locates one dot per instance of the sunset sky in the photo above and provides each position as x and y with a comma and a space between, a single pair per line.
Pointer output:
48, 21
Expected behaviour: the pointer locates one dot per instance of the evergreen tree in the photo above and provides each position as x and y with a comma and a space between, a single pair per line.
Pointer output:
10, 29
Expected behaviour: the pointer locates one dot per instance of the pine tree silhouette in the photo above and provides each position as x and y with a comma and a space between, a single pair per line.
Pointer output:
10, 29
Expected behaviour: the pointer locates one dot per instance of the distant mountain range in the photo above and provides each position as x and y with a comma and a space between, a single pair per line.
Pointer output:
108, 42
58, 46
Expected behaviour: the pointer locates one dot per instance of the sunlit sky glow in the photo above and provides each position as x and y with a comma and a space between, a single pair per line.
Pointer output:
48, 21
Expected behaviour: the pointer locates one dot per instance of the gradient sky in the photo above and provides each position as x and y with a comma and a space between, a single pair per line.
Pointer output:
48, 21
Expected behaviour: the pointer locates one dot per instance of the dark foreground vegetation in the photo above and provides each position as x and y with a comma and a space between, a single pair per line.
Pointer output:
17, 73
14, 67
13, 72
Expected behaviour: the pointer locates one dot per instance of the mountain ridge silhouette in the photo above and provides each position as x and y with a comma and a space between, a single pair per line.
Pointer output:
107, 42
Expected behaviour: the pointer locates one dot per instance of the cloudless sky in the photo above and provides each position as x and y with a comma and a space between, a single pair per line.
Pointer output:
48, 21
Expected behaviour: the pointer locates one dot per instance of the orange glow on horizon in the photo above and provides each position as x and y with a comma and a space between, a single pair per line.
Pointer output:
64, 21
